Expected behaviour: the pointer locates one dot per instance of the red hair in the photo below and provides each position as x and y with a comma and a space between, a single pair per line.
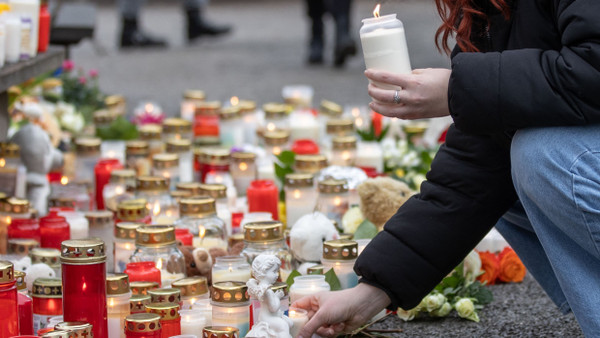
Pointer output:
458, 18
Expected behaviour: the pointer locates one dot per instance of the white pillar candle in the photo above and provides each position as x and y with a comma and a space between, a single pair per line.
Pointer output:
117, 309
113, 149
300, 197
307, 286
204, 306
298, 95
192, 321
78, 224
231, 268
370, 154
304, 126
233, 316
340, 255
299, 317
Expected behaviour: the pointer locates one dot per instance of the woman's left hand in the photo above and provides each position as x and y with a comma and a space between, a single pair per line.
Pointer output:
424, 93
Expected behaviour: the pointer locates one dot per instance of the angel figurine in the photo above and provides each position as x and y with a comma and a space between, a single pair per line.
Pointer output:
272, 323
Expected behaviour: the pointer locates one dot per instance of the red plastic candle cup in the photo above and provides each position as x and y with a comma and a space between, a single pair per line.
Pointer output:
305, 147
263, 195
102, 171
25, 228
143, 272
143, 325
214, 169
54, 229
47, 301
84, 283
170, 320
236, 221
206, 122
184, 236
44, 28
9, 312
25, 314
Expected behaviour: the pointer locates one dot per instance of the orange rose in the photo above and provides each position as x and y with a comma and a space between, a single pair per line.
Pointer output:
490, 265
511, 267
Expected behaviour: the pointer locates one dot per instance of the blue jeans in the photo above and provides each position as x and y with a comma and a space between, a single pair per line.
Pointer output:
555, 226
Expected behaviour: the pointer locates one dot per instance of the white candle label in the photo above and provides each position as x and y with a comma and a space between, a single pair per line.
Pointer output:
40, 321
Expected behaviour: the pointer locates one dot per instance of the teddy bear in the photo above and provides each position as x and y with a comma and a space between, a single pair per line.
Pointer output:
199, 261
308, 234
381, 197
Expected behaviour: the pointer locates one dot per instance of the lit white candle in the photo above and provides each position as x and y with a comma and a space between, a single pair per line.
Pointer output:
300, 197
231, 268
192, 321
304, 126
299, 317
340, 255
307, 286
370, 154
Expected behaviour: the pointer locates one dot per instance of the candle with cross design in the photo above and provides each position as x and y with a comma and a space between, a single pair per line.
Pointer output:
170, 320
47, 301
8, 298
118, 294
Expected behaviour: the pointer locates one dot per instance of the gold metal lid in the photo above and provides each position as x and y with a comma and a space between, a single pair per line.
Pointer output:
175, 125
416, 127
126, 230
230, 113
82, 251
10, 150
194, 94
247, 106
230, 292
208, 108
330, 108
138, 302
340, 249
80, 329
179, 194
214, 190
280, 286
6, 272
344, 142
178, 146
192, 187
310, 163
276, 137
152, 183
340, 126
155, 235
117, 284
22, 246
197, 206
207, 141
99, 218
122, 176
47, 288
274, 111
165, 295
191, 286
299, 180
239, 156
332, 186
343, 236
264, 231
142, 322
214, 156
20, 278
103, 117
220, 332
137, 148
114, 100
316, 270
15, 205
62, 202
47, 256
51, 83
234, 239
150, 132
87, 145
132, 210
141, 288
59, 334
165, 161
166, 311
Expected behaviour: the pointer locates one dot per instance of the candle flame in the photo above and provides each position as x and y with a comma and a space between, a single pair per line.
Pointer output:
159, 264
64, 180
156, 208
119, 190
346, 155
169, 213
111, 302
355, 112
297, 194
359, 122
271, 126
337, 201
276, 151
149, 107
234, 100
376, 10
84, 286
243, 166
8, 220
2, 162
201, 231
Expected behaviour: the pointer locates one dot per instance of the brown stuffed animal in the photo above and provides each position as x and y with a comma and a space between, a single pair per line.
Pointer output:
199, 261
381, 197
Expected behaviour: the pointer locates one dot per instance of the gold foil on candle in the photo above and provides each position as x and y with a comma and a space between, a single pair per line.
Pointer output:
22, 246
264, 231
316, 270
143, 322
208, 108
47, 288
151, 183
191, 286
6, 272
299, 180
343, 236
15, 205
230, 292
216, 191
275, 111
82, 251
192, 187
194, 94
280, 286
141, 288
10, 150
276, 137
165, 161
340, 126
165, 295
214, 156
234, 239
104, 117
220, 332
99, 218
175, 125
344, 142
132, 210
155, 235
178, 146
59, 334
330, 109
20, 278
340, 249
150, 132
123, 176
138, 302
117, 284
166, 311
207, 141
197, 206
310, 163
137, 148
48, 256
126, 230
80, 329
61, 202
230, 113
87, 145
332, 186
247, 106
239, 157
178, 195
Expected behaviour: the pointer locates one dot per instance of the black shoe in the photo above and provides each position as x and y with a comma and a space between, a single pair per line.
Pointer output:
343, 49
197, 26
315, 52
131, 37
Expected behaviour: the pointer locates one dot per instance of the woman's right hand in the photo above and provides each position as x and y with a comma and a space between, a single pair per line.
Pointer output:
332, 313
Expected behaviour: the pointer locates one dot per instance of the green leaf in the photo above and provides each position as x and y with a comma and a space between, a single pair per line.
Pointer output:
333, 281
290, 280
366, 230
287, 157
383, 133
280, 171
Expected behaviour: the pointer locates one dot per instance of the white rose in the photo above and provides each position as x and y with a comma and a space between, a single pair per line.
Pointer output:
407, 315
466, 309
471, 266
352, 219
443, 311
434, 301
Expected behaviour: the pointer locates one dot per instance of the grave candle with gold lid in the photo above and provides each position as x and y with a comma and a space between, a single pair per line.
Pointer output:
199, 215
118, 294
137, 156
143, 325
166, 165
340, 255
8, 298
310, 164
183, 149
47, 301
124, 244
231, 306
137, 303
333, 198
152, 133
170, 320
176, 128
243, 170
191, 290
79, 329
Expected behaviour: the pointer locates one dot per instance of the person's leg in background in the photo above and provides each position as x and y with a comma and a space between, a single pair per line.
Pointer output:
344, 43
315, 10
131, 35
197, 24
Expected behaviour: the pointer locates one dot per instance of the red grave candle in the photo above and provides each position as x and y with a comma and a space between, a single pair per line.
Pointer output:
47, 301
54, 229
305, 147
206, 119
102, 171
143, 272
9, 322
143, 325
169, 317
184, 236
25, 228
25, 314
44, 27
84, 283
263, 195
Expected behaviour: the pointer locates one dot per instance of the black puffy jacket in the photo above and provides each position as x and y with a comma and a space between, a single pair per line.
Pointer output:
539, 68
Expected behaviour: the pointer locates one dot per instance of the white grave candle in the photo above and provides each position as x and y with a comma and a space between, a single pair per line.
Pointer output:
299, 317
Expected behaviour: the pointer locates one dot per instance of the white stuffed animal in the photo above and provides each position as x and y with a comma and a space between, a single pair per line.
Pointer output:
33, 272
308, 234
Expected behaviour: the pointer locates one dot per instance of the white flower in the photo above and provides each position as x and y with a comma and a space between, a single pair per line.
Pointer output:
352, 219
472, 266
72, 121
418, 179
434, 301
466, 309
443, 311
407, 315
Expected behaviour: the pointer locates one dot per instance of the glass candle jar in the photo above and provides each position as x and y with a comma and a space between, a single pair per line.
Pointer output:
169, 317
157, 244
183, 149
307, 286
206, 119
47, 301
263, 195
231, 268
299, 318
267, 238
9, 311
152, 133
142, 288
113, 149
25, 228
231, 127
276, 116
12, 171
137, 303
143, 325
133, 211
137, 157
343, 151
54, 230
167, 166
284, 302
48, 256
21, 246
300, 197
333, 199
118, 294
84, 283
56, 333
165, 295
204, 306
192, 322
78, 224
102, 225
79, 329
191, 98
191, 289
250, 117
219, 193
155, 190
243, 171
340, 255
176, 128
124, 244
11, 208
328, 110
220, 332
193, 188
214, 163
276, 141
231, 306
102, 172
199, 215
88, 154
119, 188
340, 127
310, 164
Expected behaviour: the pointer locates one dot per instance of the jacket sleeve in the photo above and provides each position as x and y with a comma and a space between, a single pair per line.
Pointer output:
463, 197
514, 89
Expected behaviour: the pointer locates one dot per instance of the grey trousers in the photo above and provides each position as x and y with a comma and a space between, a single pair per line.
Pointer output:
130, 9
